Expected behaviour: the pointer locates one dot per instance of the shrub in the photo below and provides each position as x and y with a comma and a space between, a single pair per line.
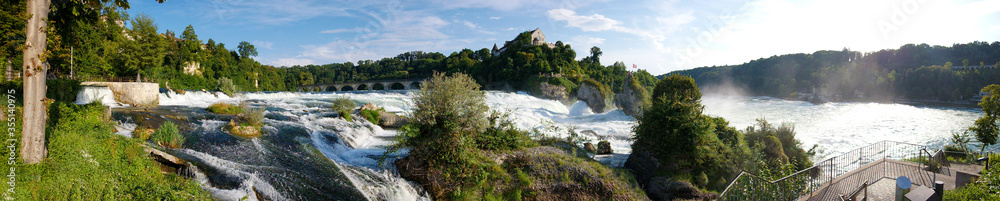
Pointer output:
224, 108
251, 116
561, 81
501, 135
780, 143
372, 115
168, 136
227, 87
449, 112
87, 161
344, 107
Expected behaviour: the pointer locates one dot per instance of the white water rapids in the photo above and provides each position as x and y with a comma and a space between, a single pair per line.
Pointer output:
354, 147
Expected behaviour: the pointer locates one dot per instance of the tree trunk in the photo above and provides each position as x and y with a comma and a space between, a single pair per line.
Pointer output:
33, 131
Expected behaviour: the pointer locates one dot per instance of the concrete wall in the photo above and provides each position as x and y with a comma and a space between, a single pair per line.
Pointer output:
133, 93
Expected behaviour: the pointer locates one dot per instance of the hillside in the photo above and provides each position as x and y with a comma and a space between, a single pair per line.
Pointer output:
915, 72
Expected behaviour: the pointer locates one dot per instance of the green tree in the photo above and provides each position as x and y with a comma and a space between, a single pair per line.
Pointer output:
986, 128
35, 70
147, 51
246, 50
595, 55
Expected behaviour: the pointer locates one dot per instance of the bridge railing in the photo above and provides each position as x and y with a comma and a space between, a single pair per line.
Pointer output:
748, 186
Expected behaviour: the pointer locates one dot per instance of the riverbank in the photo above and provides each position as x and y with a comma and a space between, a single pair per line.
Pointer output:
87, 161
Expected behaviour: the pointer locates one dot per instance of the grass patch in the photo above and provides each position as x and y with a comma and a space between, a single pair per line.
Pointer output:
168, 136
224, 108
86, 161
344, 107
372, 115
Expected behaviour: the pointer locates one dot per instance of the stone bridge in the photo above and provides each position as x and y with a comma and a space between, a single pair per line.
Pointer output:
398, 84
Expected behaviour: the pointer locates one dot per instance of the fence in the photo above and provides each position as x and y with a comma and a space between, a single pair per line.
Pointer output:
748, 186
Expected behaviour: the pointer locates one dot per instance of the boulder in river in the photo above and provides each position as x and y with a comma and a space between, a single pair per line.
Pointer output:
604, 147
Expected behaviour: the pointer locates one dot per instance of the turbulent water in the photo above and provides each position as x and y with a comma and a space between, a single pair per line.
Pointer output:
306, 153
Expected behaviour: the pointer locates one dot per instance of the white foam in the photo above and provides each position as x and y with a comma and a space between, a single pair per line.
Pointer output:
89, 94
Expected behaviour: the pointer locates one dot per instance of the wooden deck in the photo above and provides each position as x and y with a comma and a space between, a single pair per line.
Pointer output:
882, 174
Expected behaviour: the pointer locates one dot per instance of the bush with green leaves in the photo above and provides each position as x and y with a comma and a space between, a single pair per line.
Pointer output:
250, 116
168, 135
372, 115
987, 187
344, 107
779, 143
227, 87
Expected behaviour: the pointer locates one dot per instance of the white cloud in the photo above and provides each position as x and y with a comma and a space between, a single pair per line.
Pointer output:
334, 31
406, 31
269, 12
586, 41
292, 62
595, 22
510, 5
467, 24
262, 44
494, 18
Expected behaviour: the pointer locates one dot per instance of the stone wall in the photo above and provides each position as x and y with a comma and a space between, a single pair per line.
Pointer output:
132, 93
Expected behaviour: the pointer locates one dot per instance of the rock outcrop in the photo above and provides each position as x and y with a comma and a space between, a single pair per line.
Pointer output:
392, 120
553, 174
629, 100
591, 95
589, 147
553, 92
604, 147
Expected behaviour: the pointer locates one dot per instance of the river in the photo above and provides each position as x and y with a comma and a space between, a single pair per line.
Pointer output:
306, 153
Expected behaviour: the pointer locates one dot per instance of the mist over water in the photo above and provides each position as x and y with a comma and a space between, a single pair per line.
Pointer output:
838, 127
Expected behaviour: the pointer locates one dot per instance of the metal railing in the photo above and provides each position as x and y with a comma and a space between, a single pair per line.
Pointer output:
748, 186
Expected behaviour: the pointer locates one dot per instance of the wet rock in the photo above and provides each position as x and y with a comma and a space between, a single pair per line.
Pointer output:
553, 92
629, 100
604, 147
663, 188
592, 96
243, 131
589, 147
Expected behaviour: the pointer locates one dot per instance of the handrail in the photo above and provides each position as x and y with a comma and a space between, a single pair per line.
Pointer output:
927, 163
854, 195
835, 166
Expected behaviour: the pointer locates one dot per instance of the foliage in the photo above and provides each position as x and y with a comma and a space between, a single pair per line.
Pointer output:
372, 115
246, 50
168, 135
224, 108
86, 161
227, 87
449, 112
987, 187
779, 144
501, 134
250, 116
986, 128
912, 71
344, 106
66, 90
674, 129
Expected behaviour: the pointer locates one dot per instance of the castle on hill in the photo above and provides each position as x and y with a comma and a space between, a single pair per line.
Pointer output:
537, 38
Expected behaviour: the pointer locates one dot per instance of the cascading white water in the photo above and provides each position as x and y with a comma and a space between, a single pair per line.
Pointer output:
89, 94
354, 147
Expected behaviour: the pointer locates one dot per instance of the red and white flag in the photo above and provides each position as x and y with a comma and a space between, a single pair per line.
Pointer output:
633, 65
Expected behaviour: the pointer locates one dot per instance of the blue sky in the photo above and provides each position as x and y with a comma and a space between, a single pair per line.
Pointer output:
659, 36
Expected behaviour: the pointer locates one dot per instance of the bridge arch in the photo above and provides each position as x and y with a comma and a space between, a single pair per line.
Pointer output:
347, 88
332, 88
397, 86
362, 87
378, 86
415, 85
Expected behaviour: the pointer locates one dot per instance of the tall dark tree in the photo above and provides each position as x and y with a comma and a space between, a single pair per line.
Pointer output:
246, 50
595, 55
35, 68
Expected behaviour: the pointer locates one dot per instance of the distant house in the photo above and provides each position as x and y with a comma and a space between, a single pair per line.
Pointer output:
537, 38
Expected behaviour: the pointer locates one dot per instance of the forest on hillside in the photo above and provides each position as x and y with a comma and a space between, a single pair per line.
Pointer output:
913, 71
99, 42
